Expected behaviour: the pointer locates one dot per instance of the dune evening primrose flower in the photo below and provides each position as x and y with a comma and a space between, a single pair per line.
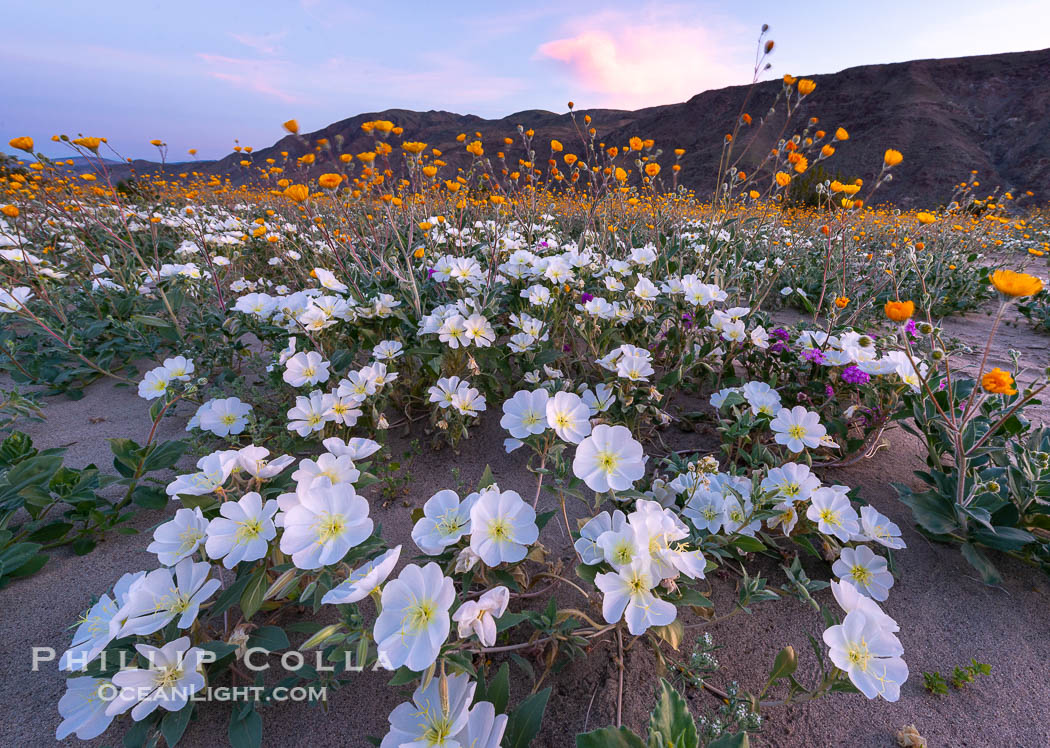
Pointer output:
424, 722
325, 524
157, 599
154, 383
850, 598
225, 417
609, 459
180, 537
791, 481
306, 368
569, 416
833, 513
864, 570
479, 616
502, 526
414, 621
797, 428
179, 367
467, 400
879, 528
96, 630
243, 532
215, 470
172, 677
358, 448
869, 654
525, 413
445, 520
83, 708
326, 470
253, 460
363, 580
484, 727
587, 544
387, 350
308, 415
628, 595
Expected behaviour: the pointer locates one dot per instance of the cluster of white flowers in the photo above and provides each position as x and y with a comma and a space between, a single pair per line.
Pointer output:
455, 393
156, 381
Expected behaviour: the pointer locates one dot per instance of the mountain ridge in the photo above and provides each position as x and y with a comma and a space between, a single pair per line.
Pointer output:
948, 116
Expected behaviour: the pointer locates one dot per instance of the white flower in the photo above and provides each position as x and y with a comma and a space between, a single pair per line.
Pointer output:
587, 544
849, 599
358, 448
179, 367
180, 537
96, 631
600, 399
155, 600
833, 513
414, 621
424, 723
453, 332
329, 281
445, 520
215, 469
357, 385
387, 350
364, 579
628, 595
609, 459
864, 570
869, 654
525, 413
479, 616
569, 416
13, 300
879, 528
253, 461
325, 524
327, 470
706, 510
308, 415
306, 368
718, 398
243, 532
797, 428
484, 727
172, 677
792, 482
444, 391
154, 384
467, 400
502, 525
645, 290
479, 331
83, 708
633, 367
225, 417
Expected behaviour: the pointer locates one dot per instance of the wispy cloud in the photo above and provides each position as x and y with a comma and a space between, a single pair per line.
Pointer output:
656, 55
264, 44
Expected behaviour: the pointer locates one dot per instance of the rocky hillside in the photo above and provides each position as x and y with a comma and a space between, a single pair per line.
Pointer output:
989, 113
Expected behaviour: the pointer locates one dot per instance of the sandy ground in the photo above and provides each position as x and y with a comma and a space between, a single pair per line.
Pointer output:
946, 614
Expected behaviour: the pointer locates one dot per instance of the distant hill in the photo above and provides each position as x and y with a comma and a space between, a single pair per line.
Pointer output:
948, 117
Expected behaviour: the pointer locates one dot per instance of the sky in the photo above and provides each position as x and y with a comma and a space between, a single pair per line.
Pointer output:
208, 75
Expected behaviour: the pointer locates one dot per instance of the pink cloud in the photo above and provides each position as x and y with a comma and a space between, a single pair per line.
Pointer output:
660, 60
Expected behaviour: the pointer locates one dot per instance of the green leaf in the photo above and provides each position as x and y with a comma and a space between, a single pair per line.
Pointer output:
246, 732
525, 721
671, 718
499, 690
270, 638
174, 724
487, 479
609, 737
738, 740
749, 544
784, 665
252, 598
979, 561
